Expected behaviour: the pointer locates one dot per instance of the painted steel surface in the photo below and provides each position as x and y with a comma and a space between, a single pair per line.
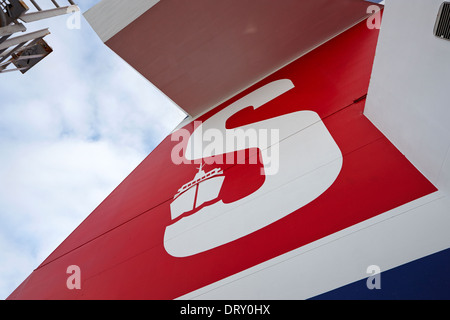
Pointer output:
201, 53
122, 247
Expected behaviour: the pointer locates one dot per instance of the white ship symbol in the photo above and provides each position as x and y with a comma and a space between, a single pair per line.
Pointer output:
203, 188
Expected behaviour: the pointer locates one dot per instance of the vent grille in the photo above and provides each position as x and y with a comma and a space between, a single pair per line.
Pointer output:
442, 28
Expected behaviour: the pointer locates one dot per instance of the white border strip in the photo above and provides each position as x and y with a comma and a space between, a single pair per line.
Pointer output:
406, 233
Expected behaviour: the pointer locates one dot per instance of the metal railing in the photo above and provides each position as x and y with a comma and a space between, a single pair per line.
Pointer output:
25, 51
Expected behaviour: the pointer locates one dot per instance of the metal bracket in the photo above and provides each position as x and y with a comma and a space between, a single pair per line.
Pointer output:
26, 50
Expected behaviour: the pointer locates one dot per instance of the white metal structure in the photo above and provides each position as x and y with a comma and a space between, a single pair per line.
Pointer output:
29, 47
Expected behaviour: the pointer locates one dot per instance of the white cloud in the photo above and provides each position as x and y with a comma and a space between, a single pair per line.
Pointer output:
48, 188
71, 130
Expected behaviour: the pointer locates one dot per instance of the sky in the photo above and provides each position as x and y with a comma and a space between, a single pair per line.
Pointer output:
71, 129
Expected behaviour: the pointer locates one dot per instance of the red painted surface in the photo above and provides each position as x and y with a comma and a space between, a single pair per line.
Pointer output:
119, 247
201, 52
